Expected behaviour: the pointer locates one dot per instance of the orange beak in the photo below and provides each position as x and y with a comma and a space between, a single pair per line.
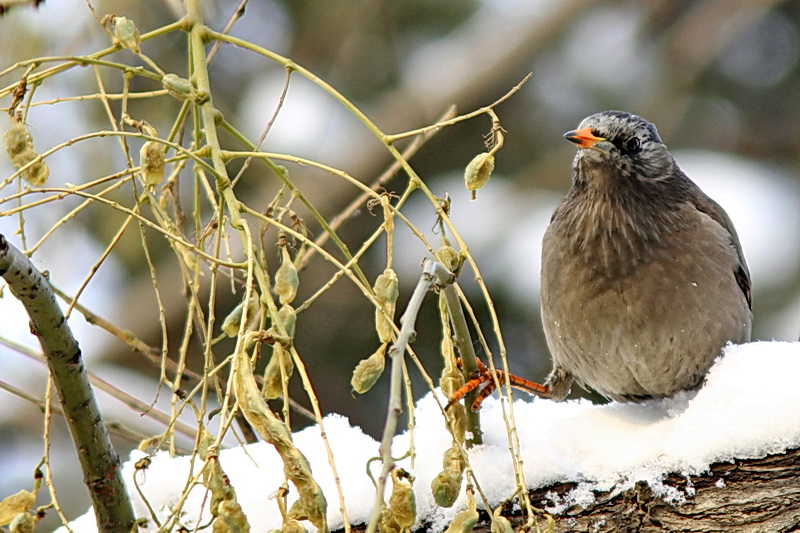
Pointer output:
583, 137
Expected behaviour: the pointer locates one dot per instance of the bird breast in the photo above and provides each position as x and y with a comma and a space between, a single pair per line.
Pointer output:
615, 235
625, 307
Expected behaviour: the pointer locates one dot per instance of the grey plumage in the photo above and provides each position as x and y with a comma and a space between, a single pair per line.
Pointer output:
643, 276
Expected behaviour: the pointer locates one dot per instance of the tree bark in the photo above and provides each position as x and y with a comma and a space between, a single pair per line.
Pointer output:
743, 496
99, 460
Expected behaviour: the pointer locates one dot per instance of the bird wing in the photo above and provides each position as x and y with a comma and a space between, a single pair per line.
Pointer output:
707, 205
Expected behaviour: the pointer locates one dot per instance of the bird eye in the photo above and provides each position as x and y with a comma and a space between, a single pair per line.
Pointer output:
633, 146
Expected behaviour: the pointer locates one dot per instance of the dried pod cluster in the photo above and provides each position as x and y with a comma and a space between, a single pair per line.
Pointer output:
311, 504
368, 370
19, 146
227, 513
446, 486
14, 512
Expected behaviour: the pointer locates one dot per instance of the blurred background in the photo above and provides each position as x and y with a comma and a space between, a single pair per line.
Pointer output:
720, 80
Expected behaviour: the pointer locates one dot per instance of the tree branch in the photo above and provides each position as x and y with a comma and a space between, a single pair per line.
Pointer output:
99, 460
744, 495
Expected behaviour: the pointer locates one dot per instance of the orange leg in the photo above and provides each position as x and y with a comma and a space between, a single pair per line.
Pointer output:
485, 379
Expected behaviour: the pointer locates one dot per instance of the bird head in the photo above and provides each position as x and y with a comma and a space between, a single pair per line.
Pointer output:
617, 145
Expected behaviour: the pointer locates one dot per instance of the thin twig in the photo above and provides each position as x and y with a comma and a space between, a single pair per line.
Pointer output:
434, 275
237, 14
346, 213
460, 118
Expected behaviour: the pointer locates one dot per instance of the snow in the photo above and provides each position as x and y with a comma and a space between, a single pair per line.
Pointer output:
746, 409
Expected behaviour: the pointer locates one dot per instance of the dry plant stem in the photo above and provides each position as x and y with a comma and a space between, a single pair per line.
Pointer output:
237, 14
99, 460
463, 342
434, 275
282, 175
104, 386
48, 411
96, 266
69, 216
80, 61
357, 202
152, 354
146, 222
144, 95
198, 33
455, 120
506, 407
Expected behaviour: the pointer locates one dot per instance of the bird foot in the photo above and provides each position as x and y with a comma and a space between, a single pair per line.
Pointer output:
559, 383
488, 384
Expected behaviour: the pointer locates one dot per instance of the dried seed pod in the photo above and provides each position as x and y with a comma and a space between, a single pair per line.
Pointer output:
11, 506
401, 513
387, 287
286, 279
19, 146
151, 160
402, 502
500, 523
446, 487
465, 521
478, 171
17, 139
230, 518
179, 88
288, 319
368, 371
312, 504
273, 378
22, 523
230, 326
450, 258
126, 33
386, 293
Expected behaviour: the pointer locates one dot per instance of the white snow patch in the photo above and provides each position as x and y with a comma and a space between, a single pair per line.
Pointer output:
747, 409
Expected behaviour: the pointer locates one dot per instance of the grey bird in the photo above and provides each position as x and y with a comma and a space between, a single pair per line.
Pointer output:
643, 276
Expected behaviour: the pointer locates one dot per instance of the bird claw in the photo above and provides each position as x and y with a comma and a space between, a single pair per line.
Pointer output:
485, 380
